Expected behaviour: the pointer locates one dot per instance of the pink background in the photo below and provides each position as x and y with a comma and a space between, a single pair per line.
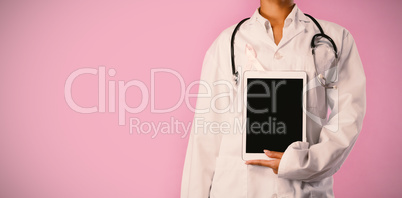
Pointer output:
49, 150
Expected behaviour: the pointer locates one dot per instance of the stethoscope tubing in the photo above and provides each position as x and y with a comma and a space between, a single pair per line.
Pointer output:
312, 45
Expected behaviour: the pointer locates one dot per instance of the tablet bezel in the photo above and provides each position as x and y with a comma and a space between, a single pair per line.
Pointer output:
269, 75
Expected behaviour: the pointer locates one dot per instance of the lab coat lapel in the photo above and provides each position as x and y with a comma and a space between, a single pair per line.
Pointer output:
292, 31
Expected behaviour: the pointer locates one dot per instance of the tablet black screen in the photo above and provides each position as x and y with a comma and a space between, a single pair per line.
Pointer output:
274, 114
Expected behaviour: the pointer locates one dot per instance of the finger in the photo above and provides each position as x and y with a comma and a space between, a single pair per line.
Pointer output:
267, 163
273, 154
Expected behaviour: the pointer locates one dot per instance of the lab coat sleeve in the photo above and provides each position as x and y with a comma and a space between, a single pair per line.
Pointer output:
310, 163
204, 143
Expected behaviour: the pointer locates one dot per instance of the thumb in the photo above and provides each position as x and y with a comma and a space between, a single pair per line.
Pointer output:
273, 154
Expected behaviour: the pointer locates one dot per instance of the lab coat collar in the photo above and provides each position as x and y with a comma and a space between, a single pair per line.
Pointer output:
295, 23
295, 15
300, 16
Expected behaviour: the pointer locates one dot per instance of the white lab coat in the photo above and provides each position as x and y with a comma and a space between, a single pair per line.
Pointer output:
214, 166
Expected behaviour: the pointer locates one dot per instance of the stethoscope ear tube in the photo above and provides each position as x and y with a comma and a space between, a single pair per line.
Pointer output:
234, 72
312, 45
321, 34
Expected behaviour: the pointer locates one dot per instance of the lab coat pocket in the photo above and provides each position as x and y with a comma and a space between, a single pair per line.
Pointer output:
230, 178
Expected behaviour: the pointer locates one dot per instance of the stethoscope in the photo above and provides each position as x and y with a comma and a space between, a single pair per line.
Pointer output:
323, 81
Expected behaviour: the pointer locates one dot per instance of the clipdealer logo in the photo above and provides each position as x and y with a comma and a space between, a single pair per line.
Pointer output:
117, 90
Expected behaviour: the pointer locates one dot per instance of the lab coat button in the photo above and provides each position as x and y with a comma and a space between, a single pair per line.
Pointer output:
278, 56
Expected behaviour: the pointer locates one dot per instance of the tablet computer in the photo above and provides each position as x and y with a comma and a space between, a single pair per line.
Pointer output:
273, 112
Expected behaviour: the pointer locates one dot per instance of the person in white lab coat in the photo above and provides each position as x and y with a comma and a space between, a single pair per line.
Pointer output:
278, 36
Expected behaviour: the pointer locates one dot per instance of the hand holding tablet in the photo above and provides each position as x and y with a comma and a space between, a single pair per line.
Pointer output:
273, 112
273, 163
